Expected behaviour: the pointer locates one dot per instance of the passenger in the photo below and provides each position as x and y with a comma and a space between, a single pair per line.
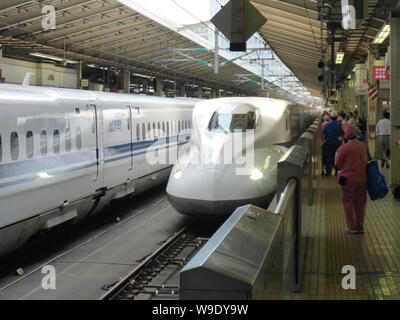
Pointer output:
327, 118
383, 132
351, 119
351, 158
331, 132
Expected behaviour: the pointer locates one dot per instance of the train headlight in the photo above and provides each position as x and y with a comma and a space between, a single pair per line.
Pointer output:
256, 174
44, 175
178, 174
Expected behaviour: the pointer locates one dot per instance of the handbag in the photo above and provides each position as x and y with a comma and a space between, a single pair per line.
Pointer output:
377, 187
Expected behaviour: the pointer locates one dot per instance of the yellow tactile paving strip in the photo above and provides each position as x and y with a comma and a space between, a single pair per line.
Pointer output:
375, 255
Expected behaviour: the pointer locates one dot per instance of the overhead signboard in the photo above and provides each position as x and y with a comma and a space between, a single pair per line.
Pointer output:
238, 20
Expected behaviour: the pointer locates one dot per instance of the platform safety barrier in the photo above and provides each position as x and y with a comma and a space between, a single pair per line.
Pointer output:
259, 253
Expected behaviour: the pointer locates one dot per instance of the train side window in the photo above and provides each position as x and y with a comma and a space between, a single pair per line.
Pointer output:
78, 138
163, 128
14, 146
137, 132
56, 141
43, 142
1, 149
179, 126
143, 131
68, 140
29, 144
168, 125
149, 130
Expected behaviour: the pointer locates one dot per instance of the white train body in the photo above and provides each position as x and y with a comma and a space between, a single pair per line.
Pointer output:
207, 180
66, 153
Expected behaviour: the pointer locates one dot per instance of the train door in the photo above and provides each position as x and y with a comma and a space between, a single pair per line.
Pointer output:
95, 130
130, 134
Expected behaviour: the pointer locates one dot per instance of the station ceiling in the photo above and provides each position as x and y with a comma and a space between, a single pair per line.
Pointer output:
294, 30
107, 32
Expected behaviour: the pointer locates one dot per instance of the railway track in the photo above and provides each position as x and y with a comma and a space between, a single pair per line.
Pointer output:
157, 275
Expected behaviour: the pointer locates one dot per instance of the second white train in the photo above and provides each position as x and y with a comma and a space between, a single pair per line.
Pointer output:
232, 156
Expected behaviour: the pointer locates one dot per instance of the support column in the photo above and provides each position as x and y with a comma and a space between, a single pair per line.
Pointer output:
1, 66
213, 93
395, 96
79, 75
199, 92
126, 81
180, 92
159, 87
373, 117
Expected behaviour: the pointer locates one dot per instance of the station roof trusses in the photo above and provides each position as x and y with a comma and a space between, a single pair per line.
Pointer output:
107, 32
294, 32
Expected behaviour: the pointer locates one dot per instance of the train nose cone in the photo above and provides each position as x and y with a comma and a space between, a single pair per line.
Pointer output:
213, 190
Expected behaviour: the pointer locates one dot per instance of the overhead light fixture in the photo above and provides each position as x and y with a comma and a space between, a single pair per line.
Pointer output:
142, 75
339, 57
382, 35
47, 56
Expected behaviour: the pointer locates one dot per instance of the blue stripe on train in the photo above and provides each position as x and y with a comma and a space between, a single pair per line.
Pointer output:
51, 163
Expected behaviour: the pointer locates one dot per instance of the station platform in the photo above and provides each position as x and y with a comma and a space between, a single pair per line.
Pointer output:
374, 254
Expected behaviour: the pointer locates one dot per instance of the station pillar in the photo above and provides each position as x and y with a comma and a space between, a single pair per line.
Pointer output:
199, 92
180, 89
213, 93
79, 75
373, 114
126, 81
395, 96
159, 87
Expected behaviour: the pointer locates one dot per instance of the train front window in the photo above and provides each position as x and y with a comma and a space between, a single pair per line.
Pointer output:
231, 122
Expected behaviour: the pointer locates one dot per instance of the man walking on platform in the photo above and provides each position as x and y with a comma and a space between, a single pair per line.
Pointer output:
351, 159
383, 132
331, 133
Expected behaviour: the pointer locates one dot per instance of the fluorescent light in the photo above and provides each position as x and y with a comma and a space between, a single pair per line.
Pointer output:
382, 35
47, 56
339, 57
142, 75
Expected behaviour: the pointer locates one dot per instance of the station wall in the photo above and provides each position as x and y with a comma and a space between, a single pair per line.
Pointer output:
46, 74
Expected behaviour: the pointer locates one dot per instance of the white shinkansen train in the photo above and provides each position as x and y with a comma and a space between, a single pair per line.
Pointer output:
66, 154
214, 177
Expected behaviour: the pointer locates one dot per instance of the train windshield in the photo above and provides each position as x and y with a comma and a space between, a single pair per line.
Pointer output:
231, 122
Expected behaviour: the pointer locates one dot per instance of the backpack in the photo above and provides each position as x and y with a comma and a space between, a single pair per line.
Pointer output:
377, 187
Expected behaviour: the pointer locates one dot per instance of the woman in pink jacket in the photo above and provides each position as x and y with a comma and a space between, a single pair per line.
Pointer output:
352, 158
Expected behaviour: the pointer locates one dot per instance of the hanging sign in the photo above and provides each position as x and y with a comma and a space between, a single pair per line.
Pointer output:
380, 73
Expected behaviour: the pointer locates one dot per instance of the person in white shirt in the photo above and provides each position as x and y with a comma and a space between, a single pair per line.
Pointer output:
383, 132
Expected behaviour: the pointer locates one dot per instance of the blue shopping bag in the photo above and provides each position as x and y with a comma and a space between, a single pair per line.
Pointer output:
377, 187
